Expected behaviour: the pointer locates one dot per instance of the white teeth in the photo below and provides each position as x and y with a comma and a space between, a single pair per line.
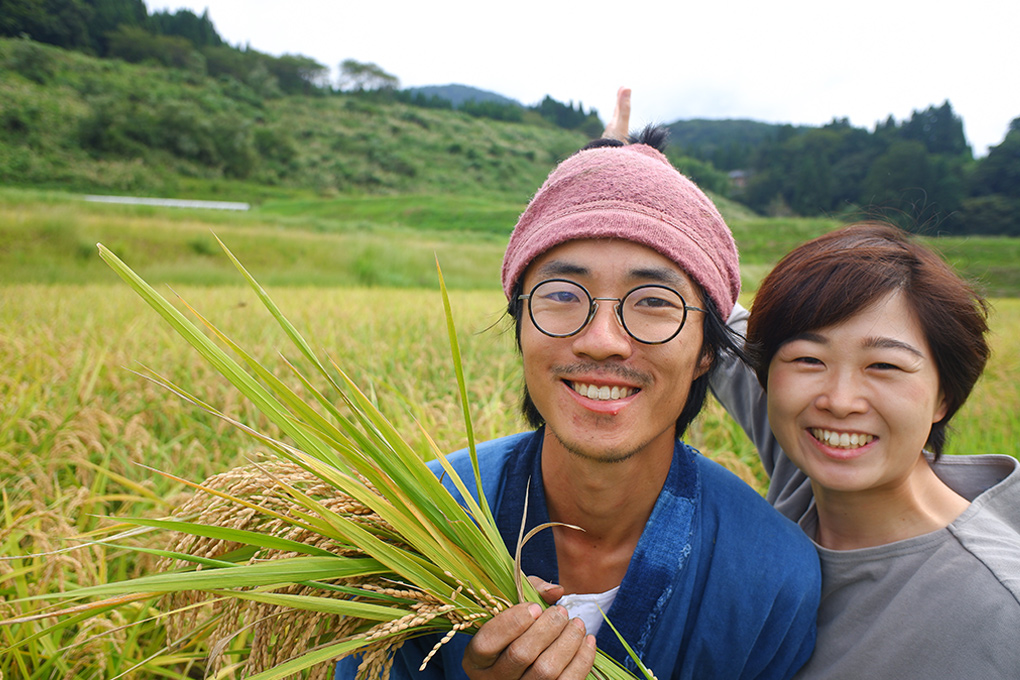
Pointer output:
842, 440
603, 393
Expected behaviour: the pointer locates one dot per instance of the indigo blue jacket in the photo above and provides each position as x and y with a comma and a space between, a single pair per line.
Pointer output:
720, 585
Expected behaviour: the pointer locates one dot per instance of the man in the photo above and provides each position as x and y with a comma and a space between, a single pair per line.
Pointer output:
619, 275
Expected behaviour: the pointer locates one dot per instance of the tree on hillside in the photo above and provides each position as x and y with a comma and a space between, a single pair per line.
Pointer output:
494, 110
136, 45
198, 30
87, 24
297, 74
570, 118
994, 205
109, 15
365, 76
914, 187
999, 171
64, 23
939, 129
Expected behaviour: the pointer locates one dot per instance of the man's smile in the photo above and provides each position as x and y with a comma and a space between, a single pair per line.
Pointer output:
603, 392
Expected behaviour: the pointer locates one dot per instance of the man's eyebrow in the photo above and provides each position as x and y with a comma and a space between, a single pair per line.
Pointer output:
663, 275
561, 268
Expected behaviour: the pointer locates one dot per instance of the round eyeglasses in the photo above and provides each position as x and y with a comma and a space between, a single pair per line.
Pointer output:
651, 314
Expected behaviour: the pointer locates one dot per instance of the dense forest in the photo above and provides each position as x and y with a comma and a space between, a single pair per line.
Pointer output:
919, 172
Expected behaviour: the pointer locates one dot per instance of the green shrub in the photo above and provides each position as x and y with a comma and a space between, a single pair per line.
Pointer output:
31, 60
136, 45
995, 214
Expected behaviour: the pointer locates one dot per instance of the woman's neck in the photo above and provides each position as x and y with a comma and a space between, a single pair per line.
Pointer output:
918, 505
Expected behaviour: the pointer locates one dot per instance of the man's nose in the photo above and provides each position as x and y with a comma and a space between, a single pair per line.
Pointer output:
604, 335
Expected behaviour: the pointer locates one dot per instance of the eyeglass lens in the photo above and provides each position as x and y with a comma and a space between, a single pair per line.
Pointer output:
651, 314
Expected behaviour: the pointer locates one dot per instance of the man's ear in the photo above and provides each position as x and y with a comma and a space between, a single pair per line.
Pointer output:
704, 364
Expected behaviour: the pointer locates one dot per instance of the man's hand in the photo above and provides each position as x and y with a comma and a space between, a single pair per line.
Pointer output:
550, 592
526, 642
617, 127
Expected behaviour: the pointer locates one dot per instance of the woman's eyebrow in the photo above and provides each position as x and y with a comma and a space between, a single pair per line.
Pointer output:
874, 342
882, 342
807, 336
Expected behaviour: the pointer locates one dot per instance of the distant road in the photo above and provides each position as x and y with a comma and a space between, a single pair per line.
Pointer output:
170, 202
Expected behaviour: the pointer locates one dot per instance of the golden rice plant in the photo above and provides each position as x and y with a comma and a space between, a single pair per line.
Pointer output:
342, 540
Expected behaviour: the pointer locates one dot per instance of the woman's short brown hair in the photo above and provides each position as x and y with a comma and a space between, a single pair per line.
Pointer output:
829, 279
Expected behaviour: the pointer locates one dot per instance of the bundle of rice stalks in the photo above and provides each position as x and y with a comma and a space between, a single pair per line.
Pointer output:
346, 542
254, 498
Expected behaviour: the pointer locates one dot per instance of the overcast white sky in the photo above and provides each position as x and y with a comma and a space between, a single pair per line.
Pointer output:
785, 61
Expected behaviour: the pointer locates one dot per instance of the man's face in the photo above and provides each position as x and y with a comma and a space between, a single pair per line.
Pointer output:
604, 395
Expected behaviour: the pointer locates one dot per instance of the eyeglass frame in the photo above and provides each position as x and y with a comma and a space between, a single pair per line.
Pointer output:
593, 309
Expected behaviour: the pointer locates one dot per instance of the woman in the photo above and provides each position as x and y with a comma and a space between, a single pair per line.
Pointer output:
865, 345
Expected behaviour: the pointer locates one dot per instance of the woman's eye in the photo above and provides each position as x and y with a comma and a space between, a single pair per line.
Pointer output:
811, 361
883, 366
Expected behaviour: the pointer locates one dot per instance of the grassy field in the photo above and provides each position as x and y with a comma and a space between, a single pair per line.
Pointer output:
80, 429
50, 237
77, 425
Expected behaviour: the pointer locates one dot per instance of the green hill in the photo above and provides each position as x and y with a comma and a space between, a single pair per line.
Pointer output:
78, 123
458, 94
365, 175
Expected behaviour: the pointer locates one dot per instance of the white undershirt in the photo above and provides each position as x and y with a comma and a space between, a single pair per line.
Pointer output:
585, 606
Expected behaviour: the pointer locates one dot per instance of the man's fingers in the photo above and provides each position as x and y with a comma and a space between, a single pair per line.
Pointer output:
583, 660
526, 643
550, 592
562, 655
520, 654
496, 635
541, 652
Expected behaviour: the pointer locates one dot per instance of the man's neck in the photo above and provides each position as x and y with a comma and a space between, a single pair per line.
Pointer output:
611, 501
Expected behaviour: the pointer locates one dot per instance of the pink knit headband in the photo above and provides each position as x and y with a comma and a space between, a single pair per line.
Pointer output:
633, 193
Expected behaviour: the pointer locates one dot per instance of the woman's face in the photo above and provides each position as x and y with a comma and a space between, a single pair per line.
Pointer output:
853, 403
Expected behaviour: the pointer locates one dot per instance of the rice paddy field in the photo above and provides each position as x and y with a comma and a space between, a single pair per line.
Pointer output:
84, 436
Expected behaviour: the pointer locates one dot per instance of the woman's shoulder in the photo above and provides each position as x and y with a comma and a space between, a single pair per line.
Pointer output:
989, 530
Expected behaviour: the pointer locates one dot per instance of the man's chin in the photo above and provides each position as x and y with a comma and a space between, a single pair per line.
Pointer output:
595, 454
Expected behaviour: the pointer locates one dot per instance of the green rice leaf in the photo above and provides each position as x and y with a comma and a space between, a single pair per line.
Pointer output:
462, 386
325, 605
252, 538
270, 573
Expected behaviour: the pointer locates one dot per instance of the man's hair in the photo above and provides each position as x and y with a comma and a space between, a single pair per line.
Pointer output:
831, 278
716, 337
655, 136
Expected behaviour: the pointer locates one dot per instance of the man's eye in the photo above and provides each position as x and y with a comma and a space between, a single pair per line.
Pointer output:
654, 302
561, 296
811, 361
